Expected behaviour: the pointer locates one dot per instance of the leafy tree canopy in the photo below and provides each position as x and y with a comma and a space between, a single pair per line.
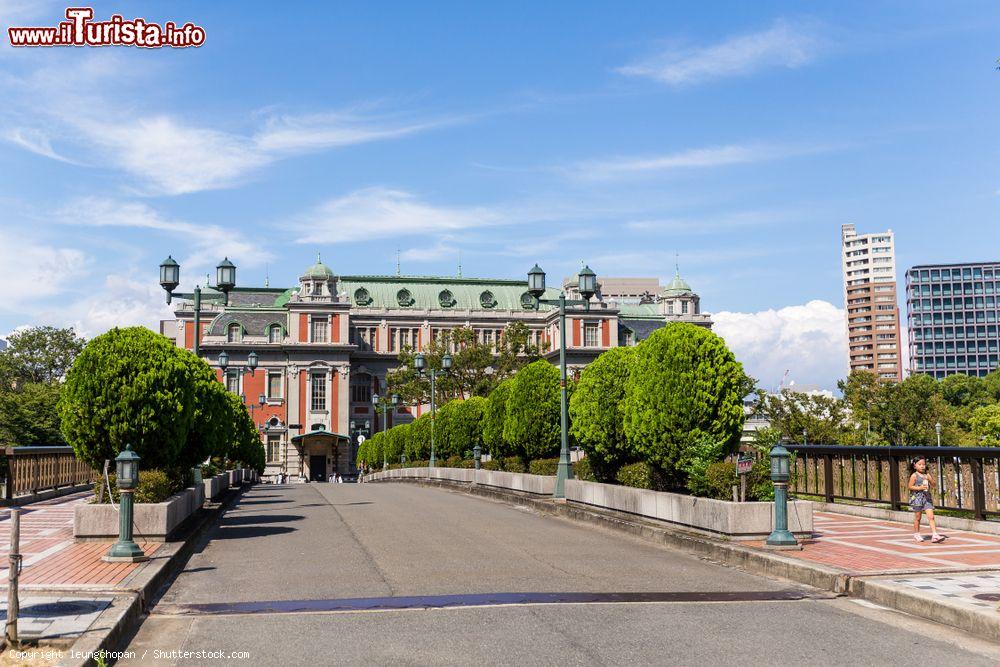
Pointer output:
476, 369
39, 354
28, 416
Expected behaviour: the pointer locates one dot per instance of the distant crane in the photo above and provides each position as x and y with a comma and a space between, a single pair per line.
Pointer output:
781, 385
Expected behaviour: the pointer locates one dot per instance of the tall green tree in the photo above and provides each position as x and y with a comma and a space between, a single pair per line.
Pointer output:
685, 387
986, 425
597, 413
39, 354
532, 423
28, 415
823, 418
128, 386
476, 368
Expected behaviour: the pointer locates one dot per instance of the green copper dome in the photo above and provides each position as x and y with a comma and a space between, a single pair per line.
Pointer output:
318, 270
677, 287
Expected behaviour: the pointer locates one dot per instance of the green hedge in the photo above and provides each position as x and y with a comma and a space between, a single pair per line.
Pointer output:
154, 486
637, 475
544, 466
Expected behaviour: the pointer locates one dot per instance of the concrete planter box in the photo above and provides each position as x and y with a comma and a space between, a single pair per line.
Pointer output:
235, 478
738, 521
216, 486
153, 522
515, 481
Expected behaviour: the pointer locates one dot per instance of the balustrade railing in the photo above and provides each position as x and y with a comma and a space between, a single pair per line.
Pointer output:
966, 478
29, 470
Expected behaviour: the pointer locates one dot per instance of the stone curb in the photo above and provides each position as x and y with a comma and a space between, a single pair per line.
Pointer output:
985, 623
113, 627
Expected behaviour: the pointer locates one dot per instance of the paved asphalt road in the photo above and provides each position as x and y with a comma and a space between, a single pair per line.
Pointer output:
330, 542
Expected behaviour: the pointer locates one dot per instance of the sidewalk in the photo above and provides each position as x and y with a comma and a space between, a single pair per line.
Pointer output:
52, 559
959, 577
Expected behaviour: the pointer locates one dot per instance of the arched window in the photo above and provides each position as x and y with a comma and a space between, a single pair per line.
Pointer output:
235, 333
274, 334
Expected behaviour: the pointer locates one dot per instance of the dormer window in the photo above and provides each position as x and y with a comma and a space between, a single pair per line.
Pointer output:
235, 333
274, 334
317, 289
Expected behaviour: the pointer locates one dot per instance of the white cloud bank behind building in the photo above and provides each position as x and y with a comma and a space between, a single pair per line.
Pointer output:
809, 341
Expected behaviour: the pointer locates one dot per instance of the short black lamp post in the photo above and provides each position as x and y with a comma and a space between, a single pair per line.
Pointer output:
477, 454
382, 404
125, 550
225, 281
587, 286
420, 363
780, 537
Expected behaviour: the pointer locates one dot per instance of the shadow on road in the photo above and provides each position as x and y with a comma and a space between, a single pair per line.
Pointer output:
246, 532
258, 518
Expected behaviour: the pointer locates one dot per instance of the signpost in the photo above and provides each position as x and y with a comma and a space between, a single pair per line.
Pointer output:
744, 464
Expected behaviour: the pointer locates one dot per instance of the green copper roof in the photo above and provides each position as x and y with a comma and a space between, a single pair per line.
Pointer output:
640, 310
436, 293
318, 270
677, 287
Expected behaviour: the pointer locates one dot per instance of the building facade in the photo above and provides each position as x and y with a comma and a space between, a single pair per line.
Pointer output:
324, 347
951, 312
870, 301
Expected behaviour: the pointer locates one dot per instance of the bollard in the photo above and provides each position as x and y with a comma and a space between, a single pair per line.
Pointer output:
14, 571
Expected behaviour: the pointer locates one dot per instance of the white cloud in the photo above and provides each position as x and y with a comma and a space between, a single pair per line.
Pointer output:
710, 224
379, 212
82, 104
210, 242
809, 341
36, 142
695, 158
334, 130
124, 301
781, 45
33, 271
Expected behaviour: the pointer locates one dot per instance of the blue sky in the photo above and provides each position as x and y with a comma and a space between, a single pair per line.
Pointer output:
738, 135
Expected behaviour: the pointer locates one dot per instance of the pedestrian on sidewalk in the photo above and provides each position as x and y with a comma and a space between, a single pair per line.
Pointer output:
920, 498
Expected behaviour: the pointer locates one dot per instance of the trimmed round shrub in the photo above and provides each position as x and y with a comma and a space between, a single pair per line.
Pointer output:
247, 449
532, 422
685, 387
418, 441
129, 386
637, 475
583, 472
719, 480
464, 428
395, 442
154, 486
494, 416
512, 464
213, 426
596, 412
544, 466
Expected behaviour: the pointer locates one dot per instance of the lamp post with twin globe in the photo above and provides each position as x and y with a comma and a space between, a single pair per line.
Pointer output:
420, 364
587, 286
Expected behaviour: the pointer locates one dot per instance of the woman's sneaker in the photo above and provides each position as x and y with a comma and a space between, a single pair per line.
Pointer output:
938, 538
918, 537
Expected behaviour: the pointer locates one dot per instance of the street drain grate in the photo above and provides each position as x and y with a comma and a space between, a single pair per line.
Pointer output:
475, 600
988, 597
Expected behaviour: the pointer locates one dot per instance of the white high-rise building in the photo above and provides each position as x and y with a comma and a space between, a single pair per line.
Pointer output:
869, 269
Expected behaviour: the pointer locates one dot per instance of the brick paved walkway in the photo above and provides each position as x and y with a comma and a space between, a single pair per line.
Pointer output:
867, 546
51, 557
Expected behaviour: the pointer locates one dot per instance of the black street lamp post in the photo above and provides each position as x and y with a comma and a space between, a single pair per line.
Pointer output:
420, 363
587, 284
225, 281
